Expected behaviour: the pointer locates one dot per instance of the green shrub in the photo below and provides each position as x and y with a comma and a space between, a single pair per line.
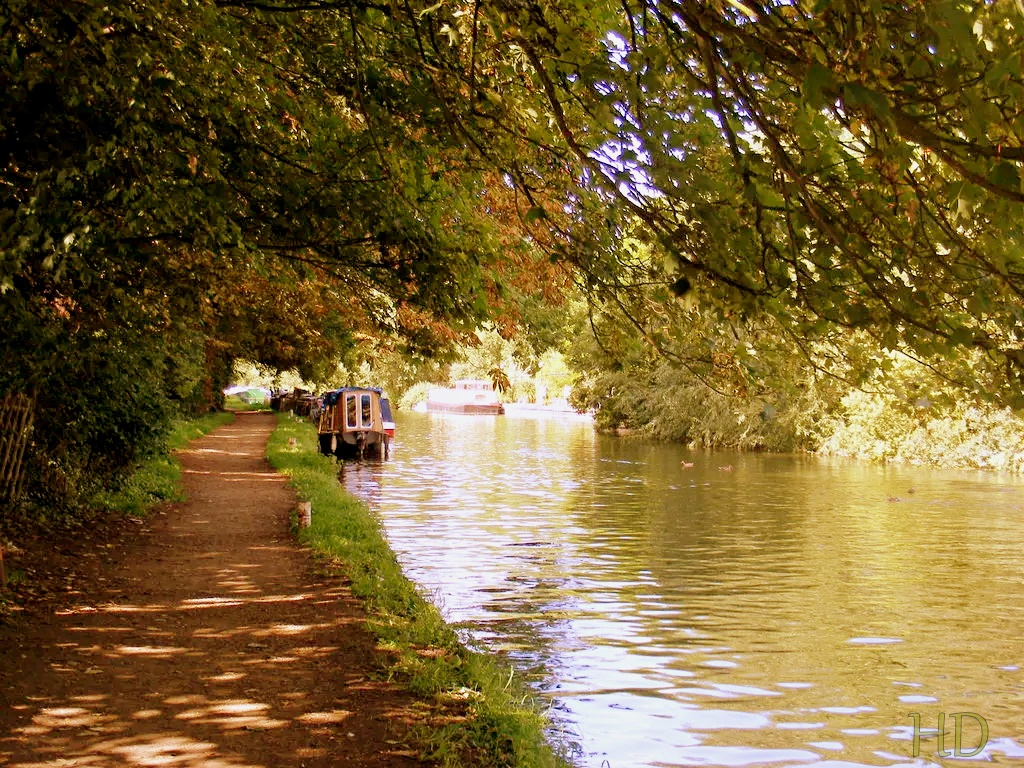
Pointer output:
668, 405
913, 416
415, 395
966, 435
159, 478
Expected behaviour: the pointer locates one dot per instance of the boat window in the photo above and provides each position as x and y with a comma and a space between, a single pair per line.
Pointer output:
367, 411
350, 412
385, 409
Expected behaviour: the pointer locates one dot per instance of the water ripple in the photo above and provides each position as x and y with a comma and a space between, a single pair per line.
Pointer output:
774, 615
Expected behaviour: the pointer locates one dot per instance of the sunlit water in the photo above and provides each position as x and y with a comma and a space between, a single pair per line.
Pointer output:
790, 611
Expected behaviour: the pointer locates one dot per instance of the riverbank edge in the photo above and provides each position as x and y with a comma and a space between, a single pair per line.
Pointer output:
482, 714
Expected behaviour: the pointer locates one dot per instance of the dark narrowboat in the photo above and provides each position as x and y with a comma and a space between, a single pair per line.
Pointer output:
355, 422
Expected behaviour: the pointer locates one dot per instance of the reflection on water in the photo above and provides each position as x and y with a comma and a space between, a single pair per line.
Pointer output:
790, 611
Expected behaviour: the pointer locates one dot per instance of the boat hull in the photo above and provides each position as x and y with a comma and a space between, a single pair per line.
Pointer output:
472, 396
481, 409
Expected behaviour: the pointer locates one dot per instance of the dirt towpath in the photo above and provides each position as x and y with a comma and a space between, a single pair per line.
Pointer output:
206, 639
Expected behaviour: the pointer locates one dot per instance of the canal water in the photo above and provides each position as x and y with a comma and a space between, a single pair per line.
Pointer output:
747, 610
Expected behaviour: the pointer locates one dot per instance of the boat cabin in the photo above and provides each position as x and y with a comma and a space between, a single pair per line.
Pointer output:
355, 422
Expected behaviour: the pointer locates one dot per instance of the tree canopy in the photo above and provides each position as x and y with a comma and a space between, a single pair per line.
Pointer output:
844, 164
187, 182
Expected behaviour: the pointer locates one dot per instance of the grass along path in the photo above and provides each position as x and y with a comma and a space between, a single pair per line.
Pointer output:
481, 716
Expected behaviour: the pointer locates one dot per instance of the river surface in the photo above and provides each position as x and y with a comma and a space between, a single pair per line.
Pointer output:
748, 610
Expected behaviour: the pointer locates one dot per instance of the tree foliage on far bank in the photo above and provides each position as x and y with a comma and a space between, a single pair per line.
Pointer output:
844, 165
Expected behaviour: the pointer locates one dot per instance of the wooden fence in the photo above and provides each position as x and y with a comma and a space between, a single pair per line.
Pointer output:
16, 412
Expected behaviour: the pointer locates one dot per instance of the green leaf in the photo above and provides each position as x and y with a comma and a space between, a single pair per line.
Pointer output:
858, 95
1005, 174
817, 81
767, 196
961, 337
535, 214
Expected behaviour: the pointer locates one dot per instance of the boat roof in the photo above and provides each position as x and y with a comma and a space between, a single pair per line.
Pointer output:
331, 396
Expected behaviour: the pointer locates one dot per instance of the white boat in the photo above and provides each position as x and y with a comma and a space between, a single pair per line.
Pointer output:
466, 396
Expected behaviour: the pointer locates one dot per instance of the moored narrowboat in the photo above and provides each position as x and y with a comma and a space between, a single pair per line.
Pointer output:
355, 422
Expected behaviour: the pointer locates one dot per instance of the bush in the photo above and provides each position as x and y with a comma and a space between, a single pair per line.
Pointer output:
159, 478
668, 405
912, 416
415, 395
966, 435
93, 429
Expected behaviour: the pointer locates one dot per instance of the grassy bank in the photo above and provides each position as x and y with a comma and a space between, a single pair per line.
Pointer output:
27, 532
159, 478
492, 720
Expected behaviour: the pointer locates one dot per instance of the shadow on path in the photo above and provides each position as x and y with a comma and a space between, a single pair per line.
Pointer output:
208, 641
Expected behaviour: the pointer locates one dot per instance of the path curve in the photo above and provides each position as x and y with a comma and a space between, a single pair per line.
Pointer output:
209, 641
